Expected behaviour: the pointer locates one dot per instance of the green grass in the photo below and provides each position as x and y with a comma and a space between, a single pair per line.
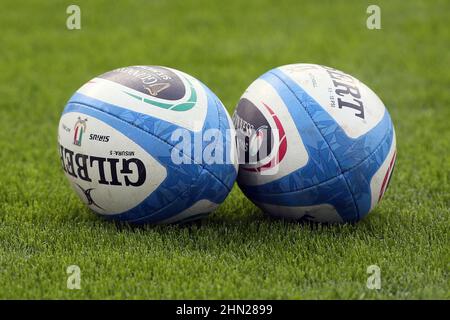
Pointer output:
237, 252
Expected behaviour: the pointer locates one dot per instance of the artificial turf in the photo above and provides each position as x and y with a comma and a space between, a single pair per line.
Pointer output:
236, 252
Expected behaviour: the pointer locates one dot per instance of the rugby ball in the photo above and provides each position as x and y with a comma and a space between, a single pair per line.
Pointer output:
314, 143
148, 144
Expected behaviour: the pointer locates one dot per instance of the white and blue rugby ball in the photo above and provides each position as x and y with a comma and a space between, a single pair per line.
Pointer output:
314, 143
148, 144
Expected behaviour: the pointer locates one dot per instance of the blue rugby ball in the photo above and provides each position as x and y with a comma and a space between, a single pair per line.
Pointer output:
148, 144
314, 143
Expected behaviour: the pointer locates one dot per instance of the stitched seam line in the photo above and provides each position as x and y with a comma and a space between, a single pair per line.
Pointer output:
218, 127
219, 117
149, 133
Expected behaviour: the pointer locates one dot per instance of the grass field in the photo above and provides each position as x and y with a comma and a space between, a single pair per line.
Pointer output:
237, 252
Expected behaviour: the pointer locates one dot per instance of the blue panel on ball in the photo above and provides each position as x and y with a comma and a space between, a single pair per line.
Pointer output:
334, 192
359, 177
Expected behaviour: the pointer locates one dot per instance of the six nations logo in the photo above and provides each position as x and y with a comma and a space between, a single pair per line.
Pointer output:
261, 147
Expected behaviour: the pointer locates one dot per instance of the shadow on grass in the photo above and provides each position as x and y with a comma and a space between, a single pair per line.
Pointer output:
234, 229
243, 224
